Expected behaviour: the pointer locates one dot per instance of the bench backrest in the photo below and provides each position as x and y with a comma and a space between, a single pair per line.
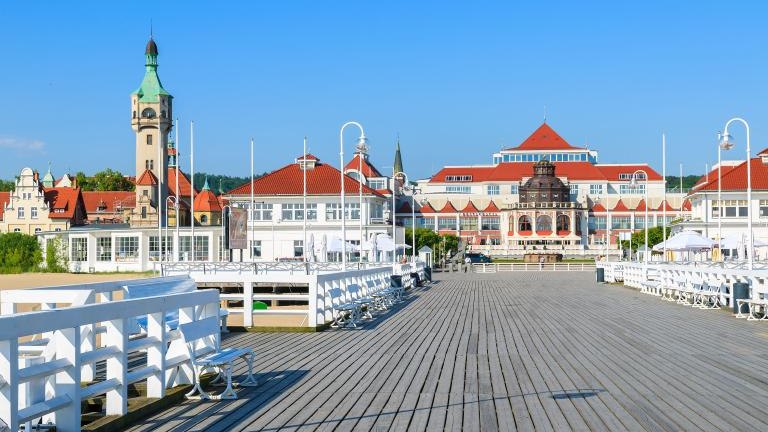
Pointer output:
158, 288
201, 333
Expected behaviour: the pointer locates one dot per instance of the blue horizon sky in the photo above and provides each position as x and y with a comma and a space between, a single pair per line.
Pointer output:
456, 81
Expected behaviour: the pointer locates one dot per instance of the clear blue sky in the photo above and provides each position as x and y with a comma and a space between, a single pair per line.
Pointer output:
456, 80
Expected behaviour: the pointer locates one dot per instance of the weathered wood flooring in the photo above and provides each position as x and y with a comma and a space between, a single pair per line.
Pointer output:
513, 351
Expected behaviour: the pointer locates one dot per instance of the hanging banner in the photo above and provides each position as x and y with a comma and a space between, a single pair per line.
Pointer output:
238, 231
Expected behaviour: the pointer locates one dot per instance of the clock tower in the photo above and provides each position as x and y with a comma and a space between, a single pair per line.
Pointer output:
151, 114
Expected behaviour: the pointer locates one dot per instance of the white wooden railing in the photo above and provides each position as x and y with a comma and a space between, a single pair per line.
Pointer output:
187, 267
613, 270
50, 385
511, 267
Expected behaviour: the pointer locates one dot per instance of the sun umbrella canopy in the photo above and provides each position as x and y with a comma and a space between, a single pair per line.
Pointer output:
737, 242
335, 245
686, 241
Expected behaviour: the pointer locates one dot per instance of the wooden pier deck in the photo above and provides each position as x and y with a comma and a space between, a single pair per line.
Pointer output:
514, 351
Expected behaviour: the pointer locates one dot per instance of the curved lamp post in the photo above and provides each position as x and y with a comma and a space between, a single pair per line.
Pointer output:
175, 206
361, 141
633, 184
727, 142
394, 210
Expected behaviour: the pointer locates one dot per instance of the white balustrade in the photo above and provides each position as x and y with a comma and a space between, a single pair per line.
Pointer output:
512, 267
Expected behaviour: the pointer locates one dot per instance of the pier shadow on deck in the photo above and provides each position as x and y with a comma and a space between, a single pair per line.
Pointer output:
511, 351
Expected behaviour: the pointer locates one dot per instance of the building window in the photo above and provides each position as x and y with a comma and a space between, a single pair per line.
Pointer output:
298, 248
17, 230
204, 219
149, 139
79, 249
595, 189
104, 249
293, 212
514, 189
458, 189
38, 230
154, 251
377, 184
492, 189
201, 248
764, 208
127, 249
143, 212
256, 248
524, 223
490, 223
468, 223
333, 211
148, 113
563, 223
20, 212
446, 223
628, 189
620, 222
732, 208
377, 212
543, 223
425, 222
145, 193
574, 191
628, 176
261, 211
640, 222
458, 178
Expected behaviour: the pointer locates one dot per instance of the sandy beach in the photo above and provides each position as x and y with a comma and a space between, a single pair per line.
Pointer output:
34, 280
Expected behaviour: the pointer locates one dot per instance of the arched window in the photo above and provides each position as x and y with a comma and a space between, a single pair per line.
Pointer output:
563, 223
38, 230
134, 113
524, 223
204, 219
543, 223
148, 113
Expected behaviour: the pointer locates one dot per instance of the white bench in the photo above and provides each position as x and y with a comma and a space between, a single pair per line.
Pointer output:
202, 341
758, 309
344, 313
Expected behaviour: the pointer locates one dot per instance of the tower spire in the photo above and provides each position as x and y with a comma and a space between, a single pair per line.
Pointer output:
398, 165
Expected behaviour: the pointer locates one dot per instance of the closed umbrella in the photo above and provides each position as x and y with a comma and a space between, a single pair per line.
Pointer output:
323, 248
310, 248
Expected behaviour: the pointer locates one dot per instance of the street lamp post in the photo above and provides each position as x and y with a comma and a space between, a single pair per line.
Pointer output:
394, 203
413, 224
361, 141
175, 205
722, 145
633, 184
726, 142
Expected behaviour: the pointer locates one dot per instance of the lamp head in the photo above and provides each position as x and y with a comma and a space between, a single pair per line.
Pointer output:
726, 141
362, 144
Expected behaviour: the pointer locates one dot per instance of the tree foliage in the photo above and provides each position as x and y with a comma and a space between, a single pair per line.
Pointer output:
673, 182
7, 185
440, 244
19, 253
216, 181
56, 259
655, 236
106, 180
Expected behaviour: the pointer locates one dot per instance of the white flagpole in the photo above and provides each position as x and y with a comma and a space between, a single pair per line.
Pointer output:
160, 202
177, 159
250, 217
304, 166
664, 202
192, 183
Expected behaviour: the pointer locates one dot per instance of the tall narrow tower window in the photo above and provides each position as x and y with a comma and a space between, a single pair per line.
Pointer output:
149, 139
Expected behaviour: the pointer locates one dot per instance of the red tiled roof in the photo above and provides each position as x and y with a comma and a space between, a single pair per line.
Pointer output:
516, 171
763, 152
308, 156
640, 205
599, 208
620, 206
713, 175
736, 178
544, 138
470, 208
669, 207
185, 187
63, 202
687, 205
612, 172
108, 200
405, 208
491, 208
206, 201
368, 169
427, 208
448, 208
5, 197
288, 180
147, 178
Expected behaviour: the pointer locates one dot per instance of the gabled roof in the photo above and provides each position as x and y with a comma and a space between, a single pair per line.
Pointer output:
427, 208
724, 169
448, 208
613, 171
405, 207
185, 186
368, 169
599, 208
736, 178
470, 208
288, 180
687, 205
620, 206
640, 205
5, 197
308, 156
108, 200
517, 171
206, 201
661, 206
147, 178
544, 138
63, 202
491, 208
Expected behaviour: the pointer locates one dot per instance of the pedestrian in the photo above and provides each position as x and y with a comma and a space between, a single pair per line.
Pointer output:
467, 262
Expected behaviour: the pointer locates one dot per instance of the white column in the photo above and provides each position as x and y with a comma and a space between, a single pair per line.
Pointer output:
117, 367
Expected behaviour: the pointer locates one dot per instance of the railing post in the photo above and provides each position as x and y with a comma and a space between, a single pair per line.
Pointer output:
156, 354
117, 367
9, 391
248, 303
67, 381
186, 374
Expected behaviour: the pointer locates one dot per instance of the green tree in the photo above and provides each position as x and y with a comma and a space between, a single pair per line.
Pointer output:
106, 180
56, 259
655, 236
19, 253
7, 185
673, 182
227, 183
440, 244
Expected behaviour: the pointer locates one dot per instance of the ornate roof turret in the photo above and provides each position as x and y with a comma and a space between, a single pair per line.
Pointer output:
151, 88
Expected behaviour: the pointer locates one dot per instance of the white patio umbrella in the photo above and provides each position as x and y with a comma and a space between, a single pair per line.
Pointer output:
323, 248
686, 241
310, 248
335, 245
384, 243
736, 242
372, 247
